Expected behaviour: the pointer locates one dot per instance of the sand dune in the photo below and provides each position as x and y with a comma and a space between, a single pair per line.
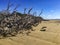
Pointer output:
49, 37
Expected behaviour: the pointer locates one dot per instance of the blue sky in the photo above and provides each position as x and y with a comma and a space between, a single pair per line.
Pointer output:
51, 8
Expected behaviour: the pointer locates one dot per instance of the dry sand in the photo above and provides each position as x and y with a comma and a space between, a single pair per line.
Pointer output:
49, 37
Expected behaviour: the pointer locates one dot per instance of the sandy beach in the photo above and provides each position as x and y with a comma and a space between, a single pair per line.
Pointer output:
51, 36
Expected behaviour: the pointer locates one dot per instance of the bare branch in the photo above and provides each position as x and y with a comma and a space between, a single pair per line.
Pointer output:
30, 10
9, 5
41, 12
16, 7
25, 10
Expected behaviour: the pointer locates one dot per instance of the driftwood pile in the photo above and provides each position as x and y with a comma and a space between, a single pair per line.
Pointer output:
11, 24
15, 22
